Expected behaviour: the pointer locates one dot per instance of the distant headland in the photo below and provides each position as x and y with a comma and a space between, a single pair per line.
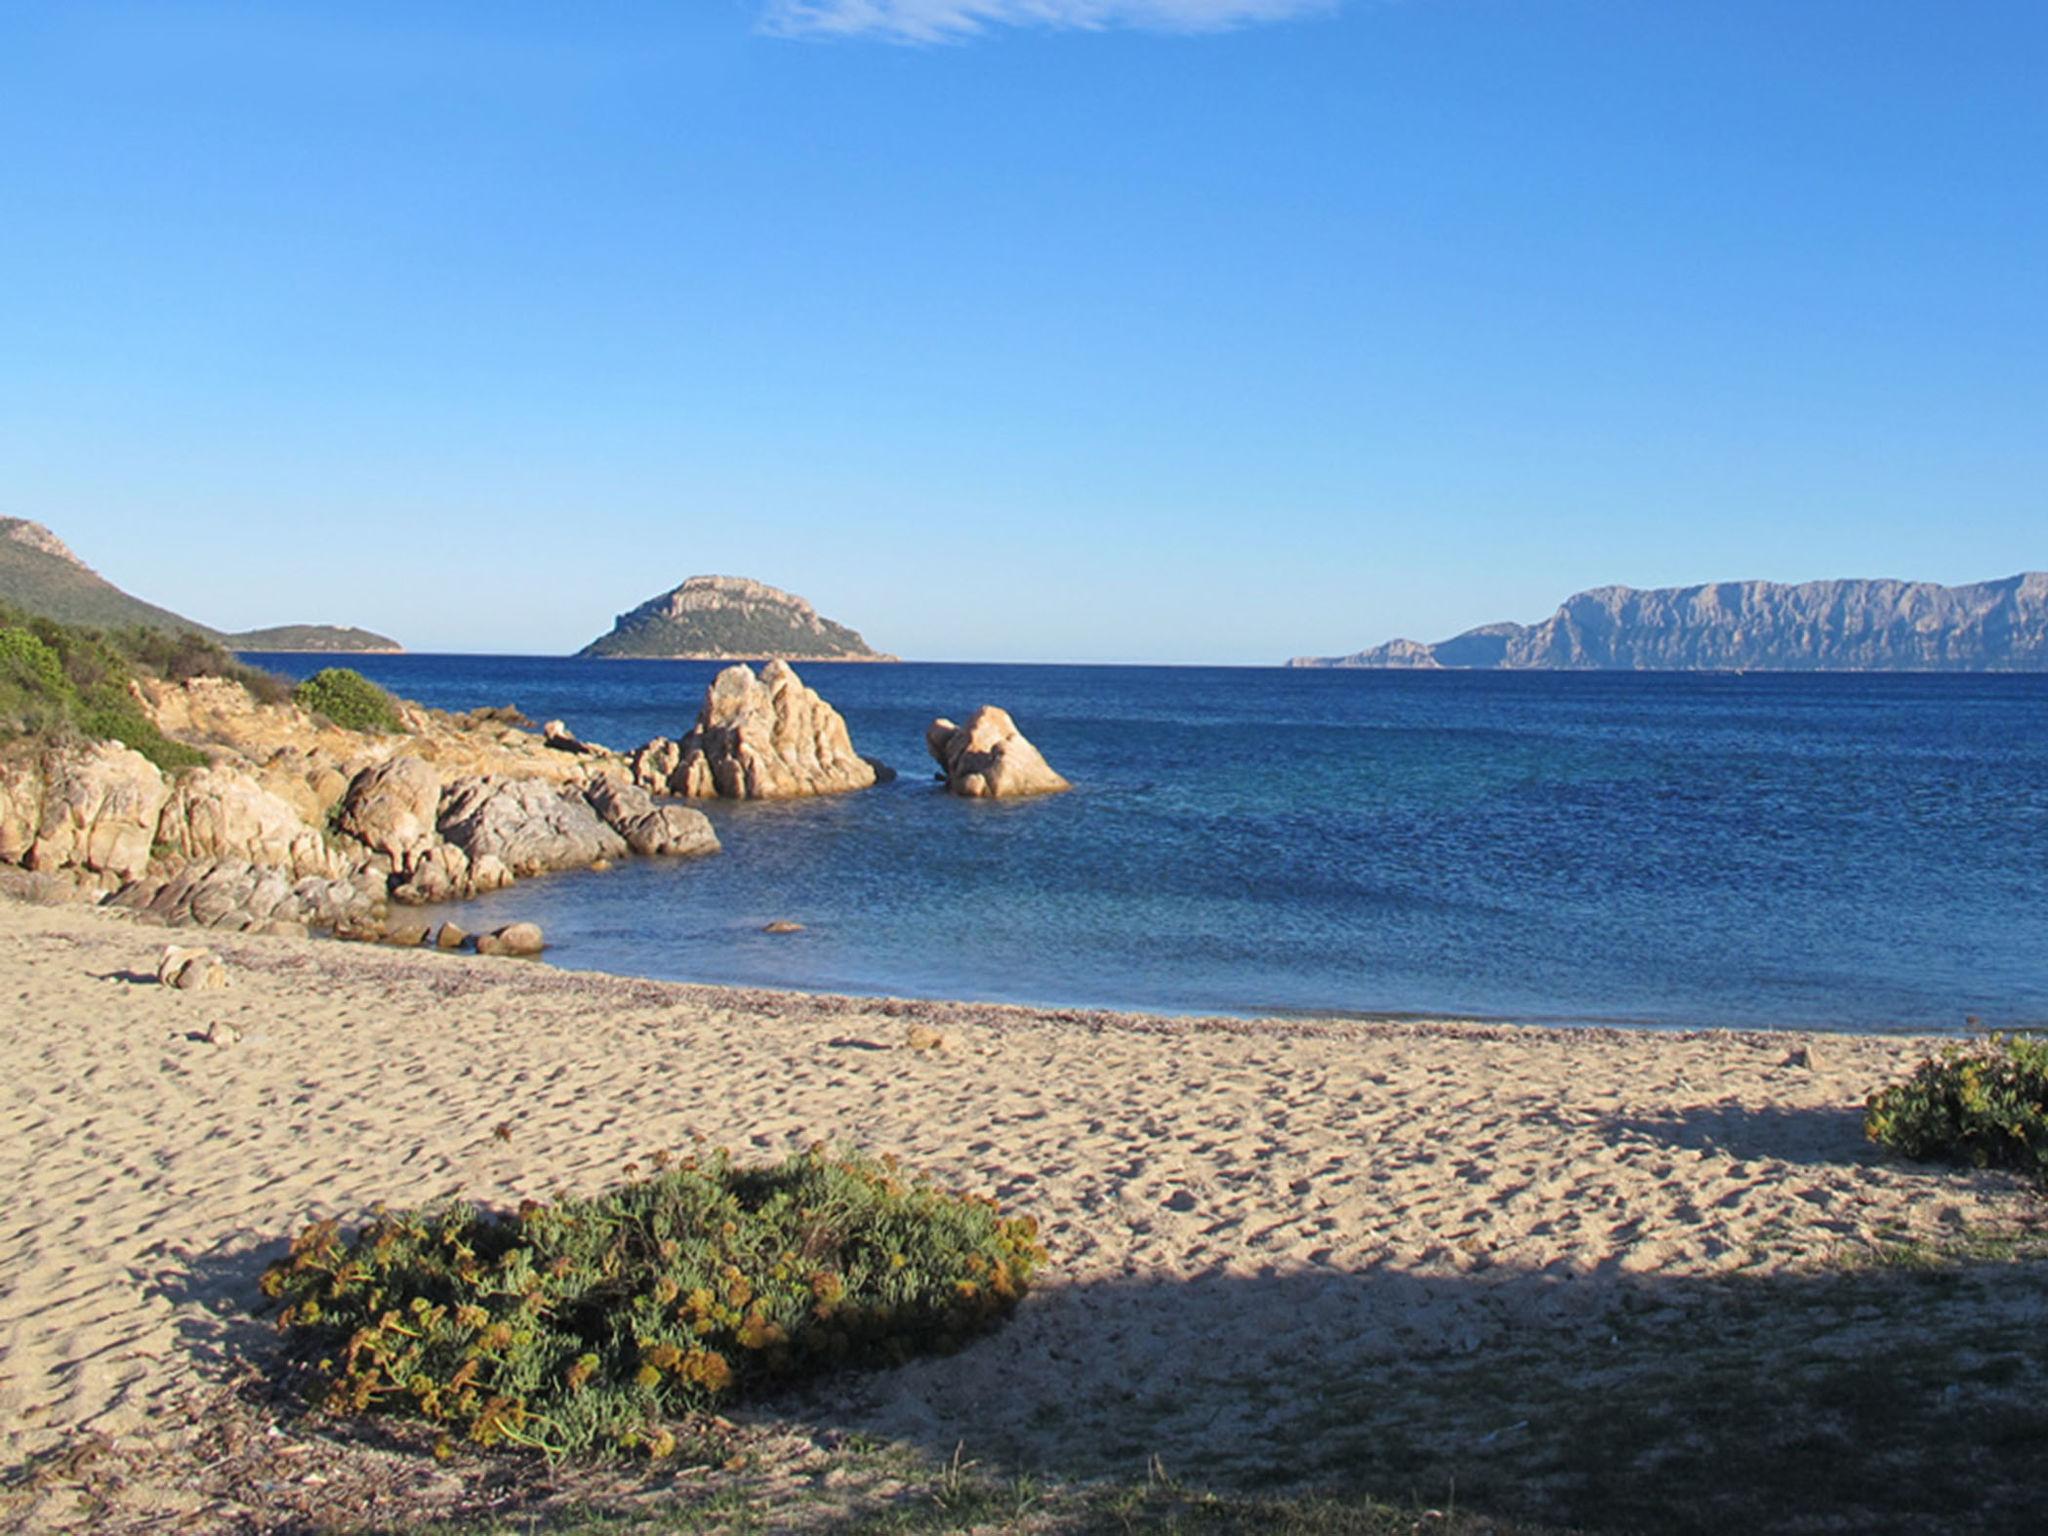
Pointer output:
338, 638
1758, 626
730, 618
40, 575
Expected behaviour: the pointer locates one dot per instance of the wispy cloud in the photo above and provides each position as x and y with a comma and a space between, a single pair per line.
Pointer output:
931, 21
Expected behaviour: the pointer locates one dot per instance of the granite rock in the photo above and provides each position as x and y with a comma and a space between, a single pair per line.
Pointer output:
989, 758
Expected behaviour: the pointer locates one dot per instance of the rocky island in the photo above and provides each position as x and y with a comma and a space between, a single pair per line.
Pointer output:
1817, 626
316, 639
730, 618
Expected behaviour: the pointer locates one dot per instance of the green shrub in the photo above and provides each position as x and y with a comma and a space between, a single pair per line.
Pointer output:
1984, 1103
119, 718
349, 699
188, 655
589, 1324
27, 662
60, 681
34, 693
77, 686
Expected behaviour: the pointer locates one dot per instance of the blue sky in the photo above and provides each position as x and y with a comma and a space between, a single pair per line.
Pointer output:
1151, 330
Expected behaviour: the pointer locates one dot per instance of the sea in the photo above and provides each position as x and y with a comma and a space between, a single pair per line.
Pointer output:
1662, 850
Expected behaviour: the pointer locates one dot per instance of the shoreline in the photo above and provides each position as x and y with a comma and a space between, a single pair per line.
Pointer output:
748, 657
273, 650
1468, 1174
1257, 1015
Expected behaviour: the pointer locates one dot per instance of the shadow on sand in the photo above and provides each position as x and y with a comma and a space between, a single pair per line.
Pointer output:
1900, 1389
1797, 1136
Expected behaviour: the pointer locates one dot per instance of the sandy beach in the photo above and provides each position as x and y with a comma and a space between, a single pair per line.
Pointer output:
1246, 1220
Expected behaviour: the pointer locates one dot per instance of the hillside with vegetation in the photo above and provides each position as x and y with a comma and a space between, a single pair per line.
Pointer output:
729, 618
41, 576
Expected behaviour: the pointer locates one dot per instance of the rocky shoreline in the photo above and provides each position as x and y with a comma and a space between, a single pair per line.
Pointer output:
296, 824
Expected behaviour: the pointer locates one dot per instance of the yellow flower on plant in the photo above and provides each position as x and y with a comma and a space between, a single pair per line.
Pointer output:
708, 1369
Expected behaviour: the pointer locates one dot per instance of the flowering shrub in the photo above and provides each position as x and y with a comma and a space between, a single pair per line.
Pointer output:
589, 1324
1984, 1103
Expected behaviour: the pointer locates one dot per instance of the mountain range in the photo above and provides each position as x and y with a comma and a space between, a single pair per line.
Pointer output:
1815, 626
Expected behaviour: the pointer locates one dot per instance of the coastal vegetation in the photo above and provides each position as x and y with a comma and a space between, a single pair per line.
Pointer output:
597, 1324
1984, 1103
40, 575
63, 682
349, 699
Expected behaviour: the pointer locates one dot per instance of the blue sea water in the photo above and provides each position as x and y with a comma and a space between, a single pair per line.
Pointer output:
1852, 852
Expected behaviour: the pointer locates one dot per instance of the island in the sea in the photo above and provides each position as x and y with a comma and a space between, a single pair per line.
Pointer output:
1757, 626
730, 618
316, 638
40, 575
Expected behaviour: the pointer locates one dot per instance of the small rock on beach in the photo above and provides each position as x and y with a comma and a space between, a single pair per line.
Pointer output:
518, 939
191, 970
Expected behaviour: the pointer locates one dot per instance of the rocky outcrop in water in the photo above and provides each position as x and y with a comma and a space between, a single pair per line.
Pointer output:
989, 758
1819, 626
757, 738
527, 825
650, 827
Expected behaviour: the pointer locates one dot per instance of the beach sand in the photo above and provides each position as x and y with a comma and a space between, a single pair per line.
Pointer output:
1247, 1220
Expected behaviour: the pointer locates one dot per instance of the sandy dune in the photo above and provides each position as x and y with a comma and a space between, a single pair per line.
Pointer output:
1227, 1205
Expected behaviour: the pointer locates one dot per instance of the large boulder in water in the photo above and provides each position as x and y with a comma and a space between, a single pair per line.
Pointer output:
989, 758
528, 825
760, 738
647, 826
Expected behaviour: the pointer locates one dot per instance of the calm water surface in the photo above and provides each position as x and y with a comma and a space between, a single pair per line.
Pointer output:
1849, 852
